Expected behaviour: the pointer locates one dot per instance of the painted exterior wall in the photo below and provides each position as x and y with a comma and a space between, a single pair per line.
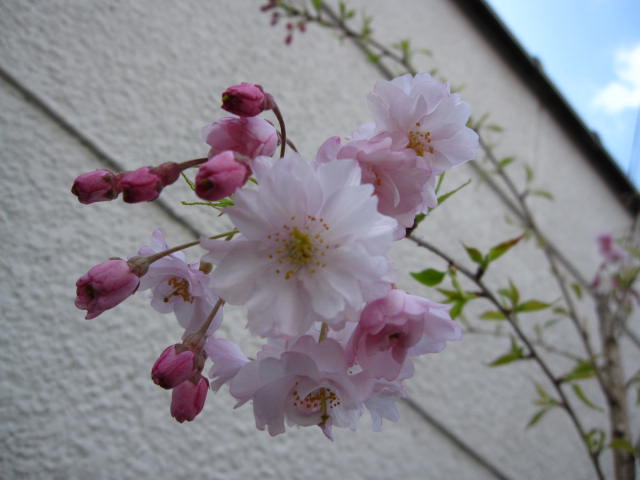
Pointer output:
139, 79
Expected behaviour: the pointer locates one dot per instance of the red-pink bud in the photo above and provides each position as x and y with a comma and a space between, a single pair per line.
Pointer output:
141, 185
169, 172
220, 176
105, 286
188, 398
96, 186
246, 100
173, 366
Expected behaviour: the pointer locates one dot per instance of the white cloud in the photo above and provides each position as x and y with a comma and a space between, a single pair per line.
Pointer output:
624, 92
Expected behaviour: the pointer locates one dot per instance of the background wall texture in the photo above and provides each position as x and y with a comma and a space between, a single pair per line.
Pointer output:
133, 83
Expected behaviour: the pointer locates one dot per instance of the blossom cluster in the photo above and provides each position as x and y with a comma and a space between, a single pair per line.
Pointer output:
308, 258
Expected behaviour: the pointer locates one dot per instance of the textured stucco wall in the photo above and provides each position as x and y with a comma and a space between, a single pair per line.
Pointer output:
140, 79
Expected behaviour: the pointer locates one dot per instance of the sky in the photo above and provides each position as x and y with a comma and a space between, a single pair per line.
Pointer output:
591, 51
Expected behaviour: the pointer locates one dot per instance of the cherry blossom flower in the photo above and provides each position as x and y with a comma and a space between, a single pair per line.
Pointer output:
227, 359
404, 185
421, 114
313, 247
178, 287
247, 136
306, 385
397, 326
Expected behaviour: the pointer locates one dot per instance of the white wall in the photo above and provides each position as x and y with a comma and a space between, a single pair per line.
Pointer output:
140, 79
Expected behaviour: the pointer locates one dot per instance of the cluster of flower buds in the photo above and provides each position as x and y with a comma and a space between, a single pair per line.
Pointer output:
308, 257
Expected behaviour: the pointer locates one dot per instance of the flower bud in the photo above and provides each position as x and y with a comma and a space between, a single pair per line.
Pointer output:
105, 286
246, 100
173, 366
96, 186
141, 185
188, 398
221, 176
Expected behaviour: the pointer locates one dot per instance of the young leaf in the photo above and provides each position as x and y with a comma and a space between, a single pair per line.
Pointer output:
529, 172
506, 358
443, 197
577, 289
505, 161
584, 369
500, 249
494, 127
456, 310
317, 4
429, 277
580, 394
474, 254
595, 439
542, 193
536, 417
492, 315
532, 306
622, 444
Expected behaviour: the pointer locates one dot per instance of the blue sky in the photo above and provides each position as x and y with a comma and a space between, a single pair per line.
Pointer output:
591, 51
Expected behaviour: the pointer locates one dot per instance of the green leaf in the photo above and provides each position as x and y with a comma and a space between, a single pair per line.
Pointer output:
536, 417
577, 290
580, 394
584, 369
542, 193
429, 277
505, 161
506, 358
542, 393
474, 254
561, 311
456, 310
317, 4
494, 127
502, 248
511, 293
529, 172
532, 306
442, 198
492, 315
372, 57
622, 444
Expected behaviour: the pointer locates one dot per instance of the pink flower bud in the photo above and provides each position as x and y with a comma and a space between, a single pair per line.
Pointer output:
105, 286
221, 176
173, 366
96, 186
141, 185
168, 172
188, 398
245, 100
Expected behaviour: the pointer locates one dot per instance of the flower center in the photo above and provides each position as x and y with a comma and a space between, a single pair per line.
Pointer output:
300, 247
181, 289
420, 142
321, 399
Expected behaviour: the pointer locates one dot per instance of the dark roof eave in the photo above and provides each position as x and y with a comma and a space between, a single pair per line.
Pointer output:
497, 34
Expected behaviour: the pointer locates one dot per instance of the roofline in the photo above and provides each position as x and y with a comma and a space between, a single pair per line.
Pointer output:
528, 68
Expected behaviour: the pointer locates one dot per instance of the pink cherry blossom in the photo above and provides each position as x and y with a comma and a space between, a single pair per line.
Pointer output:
104, 286
246, 100
227, 359
178, 287
396, 326
174, 365
419, 113
221, 176
247, 136
313, 247
187, 399
404, 185
96, 186
611, 251
306, 385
